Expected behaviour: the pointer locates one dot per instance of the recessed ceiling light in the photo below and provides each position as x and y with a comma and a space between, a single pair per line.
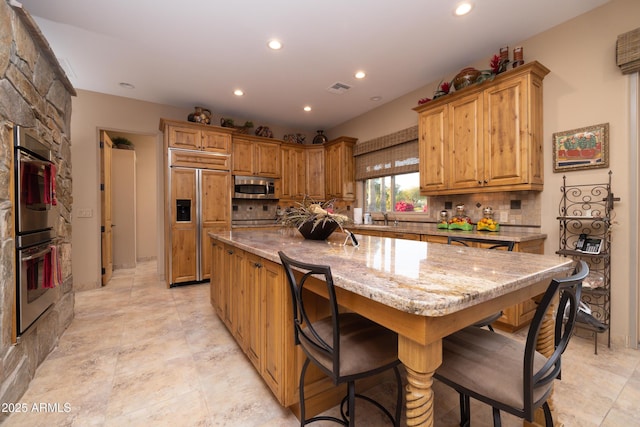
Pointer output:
274, 44
126, 85
360, 75
307, 108
375, 98
463, 8
238, 92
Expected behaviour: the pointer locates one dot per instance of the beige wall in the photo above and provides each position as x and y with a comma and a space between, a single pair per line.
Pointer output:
585, 87
92, 112
148, 154
123, 202
147, 217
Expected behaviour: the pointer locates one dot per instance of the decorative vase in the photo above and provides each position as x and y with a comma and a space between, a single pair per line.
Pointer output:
201, 115
320, 138
465, 77
322, 231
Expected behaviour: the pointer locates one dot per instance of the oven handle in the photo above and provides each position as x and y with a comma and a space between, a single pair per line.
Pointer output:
30, 157
36, 255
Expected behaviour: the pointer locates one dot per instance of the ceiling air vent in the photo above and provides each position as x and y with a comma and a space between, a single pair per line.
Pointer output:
339, 88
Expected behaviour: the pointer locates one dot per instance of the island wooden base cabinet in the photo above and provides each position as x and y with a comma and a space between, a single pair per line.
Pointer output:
251, 296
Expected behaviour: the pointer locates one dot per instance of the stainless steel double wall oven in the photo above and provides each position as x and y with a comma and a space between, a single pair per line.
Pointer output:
35, 197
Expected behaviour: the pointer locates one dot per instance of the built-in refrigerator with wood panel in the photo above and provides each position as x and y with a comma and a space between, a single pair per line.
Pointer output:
199, 202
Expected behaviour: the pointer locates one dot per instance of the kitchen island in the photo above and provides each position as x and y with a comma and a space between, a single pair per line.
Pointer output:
420, 290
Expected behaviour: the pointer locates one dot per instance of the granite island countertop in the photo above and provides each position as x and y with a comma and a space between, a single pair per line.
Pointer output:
417, 277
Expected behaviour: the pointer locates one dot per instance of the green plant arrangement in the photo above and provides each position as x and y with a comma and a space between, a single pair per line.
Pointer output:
315, 220
123, 143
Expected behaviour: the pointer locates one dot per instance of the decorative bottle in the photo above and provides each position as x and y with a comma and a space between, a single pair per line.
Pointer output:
320, 138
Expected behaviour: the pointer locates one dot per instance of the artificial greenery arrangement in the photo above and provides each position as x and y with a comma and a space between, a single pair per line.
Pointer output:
317, 213
122, 142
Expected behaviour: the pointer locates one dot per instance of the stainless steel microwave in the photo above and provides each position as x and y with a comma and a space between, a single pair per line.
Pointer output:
254, 187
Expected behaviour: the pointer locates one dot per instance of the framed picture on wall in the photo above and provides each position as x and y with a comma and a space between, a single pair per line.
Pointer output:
583, 148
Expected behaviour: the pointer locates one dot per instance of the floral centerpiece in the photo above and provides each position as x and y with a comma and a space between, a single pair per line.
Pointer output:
314, 220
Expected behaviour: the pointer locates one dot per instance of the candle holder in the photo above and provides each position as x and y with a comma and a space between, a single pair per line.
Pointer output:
518, 55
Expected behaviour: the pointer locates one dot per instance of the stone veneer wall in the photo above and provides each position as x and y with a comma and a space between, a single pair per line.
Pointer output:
34, 93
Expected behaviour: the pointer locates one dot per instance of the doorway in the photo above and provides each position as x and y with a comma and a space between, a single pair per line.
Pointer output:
136, 200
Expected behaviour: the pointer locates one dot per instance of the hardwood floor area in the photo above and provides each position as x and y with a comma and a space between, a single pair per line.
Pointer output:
139, 354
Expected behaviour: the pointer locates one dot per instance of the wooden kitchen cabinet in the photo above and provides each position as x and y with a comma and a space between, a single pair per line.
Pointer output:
292, 172
252, 312
486, 137
388, 233
215, 213
259, 316
432, 150
256, 156
466, 144
275, 303
314, 172
340, 168
193, 136
302, 172
219, 279
249, 295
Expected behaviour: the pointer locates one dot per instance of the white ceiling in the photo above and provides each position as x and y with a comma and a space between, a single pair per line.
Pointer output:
187, 53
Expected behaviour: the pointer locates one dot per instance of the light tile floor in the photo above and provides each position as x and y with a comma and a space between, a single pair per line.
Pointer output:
139, 354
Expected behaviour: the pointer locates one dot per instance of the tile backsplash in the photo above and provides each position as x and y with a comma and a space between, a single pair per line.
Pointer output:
247, 209
518, 207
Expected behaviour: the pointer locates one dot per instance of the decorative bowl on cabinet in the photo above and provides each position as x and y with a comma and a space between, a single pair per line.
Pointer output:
466, 77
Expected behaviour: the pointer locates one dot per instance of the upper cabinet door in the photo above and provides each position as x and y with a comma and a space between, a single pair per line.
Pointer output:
506, 139
314, 173
340, 168
216, 142
466, 144
242, 156
433, 152
182, 137
292, 171
267, 159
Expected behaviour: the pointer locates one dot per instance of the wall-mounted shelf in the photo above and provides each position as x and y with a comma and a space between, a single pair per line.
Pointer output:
586, 211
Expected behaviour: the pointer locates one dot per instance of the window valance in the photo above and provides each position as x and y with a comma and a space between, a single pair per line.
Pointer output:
628, 51
392, 154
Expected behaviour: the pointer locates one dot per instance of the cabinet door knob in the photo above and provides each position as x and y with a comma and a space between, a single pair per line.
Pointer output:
257, 265
230, 252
